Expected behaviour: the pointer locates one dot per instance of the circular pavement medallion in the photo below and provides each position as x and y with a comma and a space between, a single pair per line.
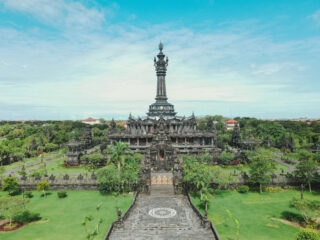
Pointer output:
162, 212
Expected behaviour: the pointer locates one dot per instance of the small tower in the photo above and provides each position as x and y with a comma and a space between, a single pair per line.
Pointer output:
41, 141
74, 150
88, 137
236, 138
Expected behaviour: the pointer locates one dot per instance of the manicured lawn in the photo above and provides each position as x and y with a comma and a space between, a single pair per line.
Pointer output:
57, 167
28, 160
254, 211
245, 168
65, 215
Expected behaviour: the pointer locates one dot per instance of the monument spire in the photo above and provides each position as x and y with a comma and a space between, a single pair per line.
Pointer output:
161, 107
161, 69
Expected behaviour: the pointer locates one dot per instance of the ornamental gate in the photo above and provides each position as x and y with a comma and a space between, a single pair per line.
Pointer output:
161, 178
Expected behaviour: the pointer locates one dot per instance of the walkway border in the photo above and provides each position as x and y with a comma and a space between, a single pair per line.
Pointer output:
204, 221
123, 218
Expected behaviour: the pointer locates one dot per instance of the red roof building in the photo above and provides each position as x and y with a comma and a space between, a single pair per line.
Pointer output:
230, 124
91, 121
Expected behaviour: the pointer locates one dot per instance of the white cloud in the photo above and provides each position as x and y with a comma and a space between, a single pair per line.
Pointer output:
112, 72
316, 17
58, 12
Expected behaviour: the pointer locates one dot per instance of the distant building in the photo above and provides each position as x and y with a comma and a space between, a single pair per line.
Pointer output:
91, 121
124, 124
230, 124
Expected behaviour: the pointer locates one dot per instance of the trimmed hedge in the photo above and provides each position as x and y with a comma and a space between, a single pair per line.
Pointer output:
26, 217
243, 189
308, 234
28, 194
62, 194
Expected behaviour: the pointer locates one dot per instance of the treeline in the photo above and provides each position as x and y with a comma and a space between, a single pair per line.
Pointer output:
19, 140
305, 134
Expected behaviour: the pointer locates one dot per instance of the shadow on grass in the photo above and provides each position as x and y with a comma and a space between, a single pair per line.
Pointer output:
291, 216
315, 192
47, 194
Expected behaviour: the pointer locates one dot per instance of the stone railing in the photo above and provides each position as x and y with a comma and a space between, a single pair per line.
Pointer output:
119, 221
286, 179
61, 182
205, 222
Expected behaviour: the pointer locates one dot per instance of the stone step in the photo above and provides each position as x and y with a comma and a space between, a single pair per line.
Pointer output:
161, 190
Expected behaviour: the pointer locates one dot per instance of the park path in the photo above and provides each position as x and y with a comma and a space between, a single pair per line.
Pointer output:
47, 160
291, 167
34, 164
162, 215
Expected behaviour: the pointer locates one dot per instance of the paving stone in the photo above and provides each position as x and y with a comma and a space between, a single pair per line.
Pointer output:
164, 224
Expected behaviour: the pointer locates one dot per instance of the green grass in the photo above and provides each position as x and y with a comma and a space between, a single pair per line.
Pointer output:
57, 167
27, 160
65, 215
254, 211
246, 168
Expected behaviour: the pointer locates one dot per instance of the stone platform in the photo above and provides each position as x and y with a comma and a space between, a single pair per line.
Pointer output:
162, 215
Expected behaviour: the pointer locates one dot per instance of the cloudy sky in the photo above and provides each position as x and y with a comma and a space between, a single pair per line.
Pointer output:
67, 59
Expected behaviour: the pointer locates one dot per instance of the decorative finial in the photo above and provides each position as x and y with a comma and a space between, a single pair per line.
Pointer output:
160, 46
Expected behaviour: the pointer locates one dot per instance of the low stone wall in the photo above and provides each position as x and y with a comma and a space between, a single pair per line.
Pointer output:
63, 186
64, 182
205, 222
278, 180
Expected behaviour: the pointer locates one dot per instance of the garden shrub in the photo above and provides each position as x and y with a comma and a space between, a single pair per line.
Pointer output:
291, 188
273, 189
309, 210
26, 217
11, 185
243, 189
43, 186
36, 174
28, 194
62, 194
308, 234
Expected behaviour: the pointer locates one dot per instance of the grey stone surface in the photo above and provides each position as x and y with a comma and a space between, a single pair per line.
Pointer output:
180, 221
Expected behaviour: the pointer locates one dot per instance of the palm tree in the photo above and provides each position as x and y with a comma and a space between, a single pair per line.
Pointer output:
118, 152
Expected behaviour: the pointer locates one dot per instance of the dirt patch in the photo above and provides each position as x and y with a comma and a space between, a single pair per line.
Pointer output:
4, 227
2, 221
295, 224
16, 225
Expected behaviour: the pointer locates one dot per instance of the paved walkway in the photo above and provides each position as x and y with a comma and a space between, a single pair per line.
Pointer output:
291, 167
162, 216
34, 164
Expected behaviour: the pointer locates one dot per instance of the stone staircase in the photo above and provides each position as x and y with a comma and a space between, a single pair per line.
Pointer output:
162, 215
161, 190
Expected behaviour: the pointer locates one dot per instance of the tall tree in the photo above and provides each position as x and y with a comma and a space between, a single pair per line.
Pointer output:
307, 168
261, 168
118, 153
11, 206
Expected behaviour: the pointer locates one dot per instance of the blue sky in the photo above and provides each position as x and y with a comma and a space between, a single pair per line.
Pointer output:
68, 59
